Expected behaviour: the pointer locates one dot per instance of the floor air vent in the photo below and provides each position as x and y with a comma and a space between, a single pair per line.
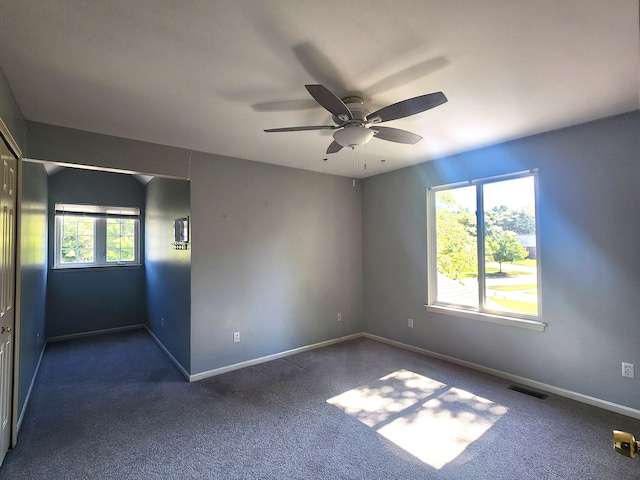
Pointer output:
526, 391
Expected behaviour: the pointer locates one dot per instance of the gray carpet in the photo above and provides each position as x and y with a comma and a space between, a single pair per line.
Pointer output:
113, 407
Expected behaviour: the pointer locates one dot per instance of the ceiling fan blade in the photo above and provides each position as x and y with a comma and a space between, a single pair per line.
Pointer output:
334, 147
407, 107
300, 129
329, 101
395, 135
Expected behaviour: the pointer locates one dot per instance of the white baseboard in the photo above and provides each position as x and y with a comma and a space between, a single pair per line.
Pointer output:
596, 402
94, 332
173, 359
268, 358
33, 382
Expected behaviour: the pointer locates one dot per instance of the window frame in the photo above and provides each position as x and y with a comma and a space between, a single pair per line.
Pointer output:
532, 322
100, 214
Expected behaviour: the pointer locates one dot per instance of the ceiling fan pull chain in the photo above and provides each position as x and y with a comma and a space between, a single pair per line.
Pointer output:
353, 164
365, 156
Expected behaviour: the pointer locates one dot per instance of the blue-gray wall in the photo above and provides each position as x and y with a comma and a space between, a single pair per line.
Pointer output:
589, 198
168, 271
33, 275
11, 114
85, 300
277, 253
33, 238
93, 150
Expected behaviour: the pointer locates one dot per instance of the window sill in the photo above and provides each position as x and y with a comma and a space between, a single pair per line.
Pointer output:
488, 317
96, 267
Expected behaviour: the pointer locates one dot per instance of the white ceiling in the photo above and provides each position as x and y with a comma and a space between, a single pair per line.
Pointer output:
211, 75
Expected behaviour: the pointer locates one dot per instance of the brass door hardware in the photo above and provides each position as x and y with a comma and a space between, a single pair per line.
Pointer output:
625, 444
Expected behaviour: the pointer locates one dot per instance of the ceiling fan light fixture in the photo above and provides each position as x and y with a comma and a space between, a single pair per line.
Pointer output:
353, 135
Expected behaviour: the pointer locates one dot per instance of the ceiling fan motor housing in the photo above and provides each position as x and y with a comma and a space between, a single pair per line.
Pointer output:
354, 133
358, 111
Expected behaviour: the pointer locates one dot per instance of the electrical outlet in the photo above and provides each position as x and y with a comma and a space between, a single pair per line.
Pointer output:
339, 318
410, 323
627, 370
236, 337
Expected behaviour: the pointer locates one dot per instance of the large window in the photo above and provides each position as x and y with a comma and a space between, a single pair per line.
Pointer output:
483, 254
95, 236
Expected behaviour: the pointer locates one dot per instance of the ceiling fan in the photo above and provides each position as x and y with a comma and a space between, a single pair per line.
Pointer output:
355, 125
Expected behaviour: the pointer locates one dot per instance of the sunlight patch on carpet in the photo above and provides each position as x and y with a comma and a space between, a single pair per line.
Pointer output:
430, 420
